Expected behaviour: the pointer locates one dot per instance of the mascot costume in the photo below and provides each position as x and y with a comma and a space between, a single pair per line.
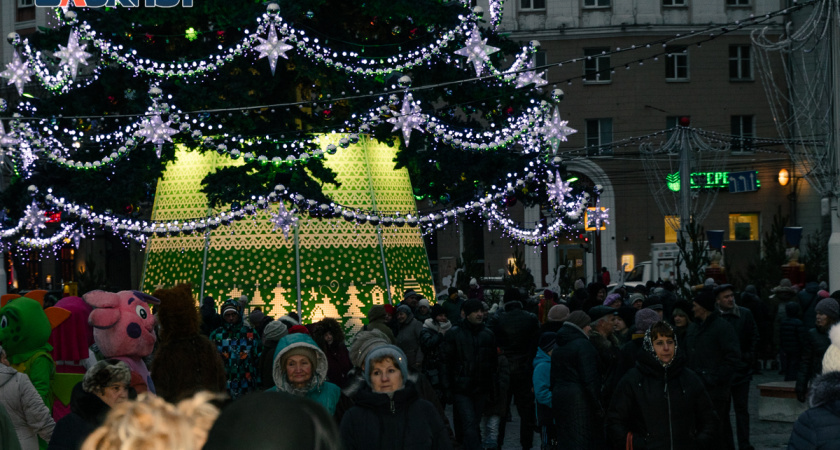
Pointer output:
124, 329
71, 343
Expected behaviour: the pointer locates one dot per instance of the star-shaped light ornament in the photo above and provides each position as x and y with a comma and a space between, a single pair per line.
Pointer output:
272, 48
73, 55
598, 217
477, 51
156, 131
555, 131
35, 219
559, 189
531, 76
284, 220
76, 237
6, 139
409, 118
17, 72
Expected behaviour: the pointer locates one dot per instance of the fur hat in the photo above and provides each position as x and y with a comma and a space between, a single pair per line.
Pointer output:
706, 299
275, 331
829, 307
831, 360
106, 372
558, 313
645, 318
470, 306
364, 342
387, 350
579, 318
301, 351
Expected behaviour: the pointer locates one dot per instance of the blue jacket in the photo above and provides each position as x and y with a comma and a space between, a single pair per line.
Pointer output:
542, 378
320, 390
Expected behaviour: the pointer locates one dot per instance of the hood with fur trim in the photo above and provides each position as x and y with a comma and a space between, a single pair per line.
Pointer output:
825, 389
292, 341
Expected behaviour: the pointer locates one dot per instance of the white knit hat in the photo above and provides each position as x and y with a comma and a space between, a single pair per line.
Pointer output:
831, 360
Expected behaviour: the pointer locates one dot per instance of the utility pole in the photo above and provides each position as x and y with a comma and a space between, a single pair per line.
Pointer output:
685, 181
834, 240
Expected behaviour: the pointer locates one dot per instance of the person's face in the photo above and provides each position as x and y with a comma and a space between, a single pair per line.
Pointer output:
616, 304
298, 370
664, 348
328, 338
441, 318
620, 325
726, 300
602, 294
587, 329
822, 320
387, 317
385, 376
113, 394
637, 304
401, 317
423, 310
699, 311
475, 317
412, 301
680, 321
231, 317
3, 359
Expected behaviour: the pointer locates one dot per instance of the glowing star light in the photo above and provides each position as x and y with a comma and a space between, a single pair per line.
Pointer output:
6, 139
156, 131
272, 48
476, 50
408, 118
35, 219
73, 55
598, 217
283, 220
555, 130
559, 189
531, 76
17, 72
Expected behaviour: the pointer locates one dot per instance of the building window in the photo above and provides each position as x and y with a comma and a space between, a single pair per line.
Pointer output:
674, 2
743, 227
628, 261
737, 2
596, 3
531, 4
740, 63
599, 137
596, 66
672, 223
743, 133
676, 64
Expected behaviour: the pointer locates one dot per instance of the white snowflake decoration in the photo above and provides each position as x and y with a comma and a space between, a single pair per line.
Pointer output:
598, 217
559, 189
76, 236
17, 72
272, 48
6, 139
408, 119
284, 220
477, 51
35, 219
531, 76
156, 131
73, 55
555, 130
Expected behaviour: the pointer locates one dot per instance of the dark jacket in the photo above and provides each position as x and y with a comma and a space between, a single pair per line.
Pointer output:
265, 365
629, 353
792, 333
377, 320
452, 308
576, 384
817, 427
808, 299
516, 333
664, 408
401, 421
407, 339
608, 359
87, 413
470, 359
742, 321
816, 343
713, 351
210, 318
431, 343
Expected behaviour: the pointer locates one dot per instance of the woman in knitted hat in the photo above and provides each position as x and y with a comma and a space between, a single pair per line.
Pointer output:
104, 386
816, 343
388, 412
300, 368
659, 403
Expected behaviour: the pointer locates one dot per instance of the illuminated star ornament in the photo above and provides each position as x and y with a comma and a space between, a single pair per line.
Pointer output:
598, 217
272, 48
408, 119
17, 72
156, 131
283, 220
35, 219
559, 189
477, 51
6, 139
555, 130
76, 237
73, 55
531, 76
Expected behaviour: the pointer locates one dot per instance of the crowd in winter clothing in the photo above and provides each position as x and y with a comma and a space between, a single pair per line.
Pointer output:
589, 370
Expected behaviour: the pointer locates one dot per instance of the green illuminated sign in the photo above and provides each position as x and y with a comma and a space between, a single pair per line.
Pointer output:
703, 180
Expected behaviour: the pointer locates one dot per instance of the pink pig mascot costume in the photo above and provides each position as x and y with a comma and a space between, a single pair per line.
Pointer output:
124, 329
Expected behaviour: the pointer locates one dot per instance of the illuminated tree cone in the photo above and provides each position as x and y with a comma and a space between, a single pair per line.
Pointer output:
341, 264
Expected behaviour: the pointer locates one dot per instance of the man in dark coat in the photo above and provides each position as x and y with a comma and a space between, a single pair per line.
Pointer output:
713, 353
742, 321
516, 333
576, 382
602, 337
452, 306
210, 318
470, 361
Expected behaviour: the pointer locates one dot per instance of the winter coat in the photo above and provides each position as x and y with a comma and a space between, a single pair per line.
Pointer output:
608, 358
29, 414
452, 308
87, 413
781, 296
210, 318
239, 346
816, 343
497, 403
792, 334
808, 300
338, 357
377, 321
319, 389
401, 420
713, 351
742, 321
664, 408
470, 359
516, 333
8, 437
629, 353
265, 365
431, 343
817, 427
408, 340
542, 387
576, 380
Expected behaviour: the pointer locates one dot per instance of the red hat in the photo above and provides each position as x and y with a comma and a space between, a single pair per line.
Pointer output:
298, 329
390, 310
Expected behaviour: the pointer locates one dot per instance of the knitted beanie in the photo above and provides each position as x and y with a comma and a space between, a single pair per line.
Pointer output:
470, 306
645, 318
424, 302
612, 298
256, 317
558, 313
275, 330
301, 351
706, 299
831, 360
298, 329
579, 318
387, 350
829, 307
229, 307
363, 343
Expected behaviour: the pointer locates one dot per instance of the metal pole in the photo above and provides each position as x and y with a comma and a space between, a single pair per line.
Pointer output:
834, 240
378, 227
297, 268
204, 263
685, 181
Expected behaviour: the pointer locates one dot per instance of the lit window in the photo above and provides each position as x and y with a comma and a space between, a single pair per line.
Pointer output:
743, 227
628, 262
596, 66
672, 223
676, 64
599, 137
740, 63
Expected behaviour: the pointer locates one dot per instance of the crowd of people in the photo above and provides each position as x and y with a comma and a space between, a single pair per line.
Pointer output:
636, 368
